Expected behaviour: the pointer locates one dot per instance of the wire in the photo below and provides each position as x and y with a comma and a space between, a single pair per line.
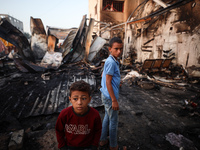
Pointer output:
136, 9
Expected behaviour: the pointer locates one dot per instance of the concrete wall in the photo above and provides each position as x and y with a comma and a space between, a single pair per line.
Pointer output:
129, 7
94, 12
94, 9
112, 16
178, 30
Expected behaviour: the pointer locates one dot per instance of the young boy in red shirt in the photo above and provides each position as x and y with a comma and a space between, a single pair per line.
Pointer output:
78, 127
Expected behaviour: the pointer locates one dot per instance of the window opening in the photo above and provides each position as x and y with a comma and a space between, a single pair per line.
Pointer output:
109, 5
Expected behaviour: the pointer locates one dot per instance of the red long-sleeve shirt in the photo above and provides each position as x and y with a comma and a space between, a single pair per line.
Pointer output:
76, 130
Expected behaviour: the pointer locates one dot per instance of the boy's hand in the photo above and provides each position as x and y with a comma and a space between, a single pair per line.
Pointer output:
115, 105
121, 82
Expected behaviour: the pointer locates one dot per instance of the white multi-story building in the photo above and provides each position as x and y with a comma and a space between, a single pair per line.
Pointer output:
15, 22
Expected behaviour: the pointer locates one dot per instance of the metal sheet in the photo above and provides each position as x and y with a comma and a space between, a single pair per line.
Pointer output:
157, 64
32, 96
67, 43
77, 52
89, 38
58, 32
96, 47
148, 64
38, 38
27, 66
17, 38
37, 26
2, 50
51, 43
166, 63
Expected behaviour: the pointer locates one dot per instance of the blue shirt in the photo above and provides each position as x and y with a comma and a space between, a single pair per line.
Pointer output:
111, 67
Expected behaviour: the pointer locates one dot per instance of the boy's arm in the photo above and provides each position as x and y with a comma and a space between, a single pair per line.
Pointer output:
115, 105
60, 134
97, 132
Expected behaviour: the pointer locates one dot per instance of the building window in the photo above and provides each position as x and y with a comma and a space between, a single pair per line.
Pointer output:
109, 5
118, 5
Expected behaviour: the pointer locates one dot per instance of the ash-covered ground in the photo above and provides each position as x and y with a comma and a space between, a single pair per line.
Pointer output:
162, 118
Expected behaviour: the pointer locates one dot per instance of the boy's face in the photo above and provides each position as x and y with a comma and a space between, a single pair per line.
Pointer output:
116, 49
80, 101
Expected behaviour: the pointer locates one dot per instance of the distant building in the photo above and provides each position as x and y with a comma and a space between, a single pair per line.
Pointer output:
15, 22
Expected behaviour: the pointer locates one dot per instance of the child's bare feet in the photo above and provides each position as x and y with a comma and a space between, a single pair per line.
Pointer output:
103, 145
114, 148
124, 148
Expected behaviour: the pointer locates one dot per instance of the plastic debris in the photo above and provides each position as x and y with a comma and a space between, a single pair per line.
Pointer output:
180, 141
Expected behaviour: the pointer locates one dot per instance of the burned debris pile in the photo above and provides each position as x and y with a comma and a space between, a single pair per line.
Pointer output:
52, 49
191, 106
151, 76
163, 72
32, 94
36, 73
49, 63
36, 79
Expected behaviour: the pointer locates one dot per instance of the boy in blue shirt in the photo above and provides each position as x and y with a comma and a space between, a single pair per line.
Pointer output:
110, 83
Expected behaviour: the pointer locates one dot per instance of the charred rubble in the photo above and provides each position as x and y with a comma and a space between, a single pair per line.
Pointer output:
36, 76
40, 73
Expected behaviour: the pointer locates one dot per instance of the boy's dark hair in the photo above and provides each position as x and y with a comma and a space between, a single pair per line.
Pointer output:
80, 86
113, 40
